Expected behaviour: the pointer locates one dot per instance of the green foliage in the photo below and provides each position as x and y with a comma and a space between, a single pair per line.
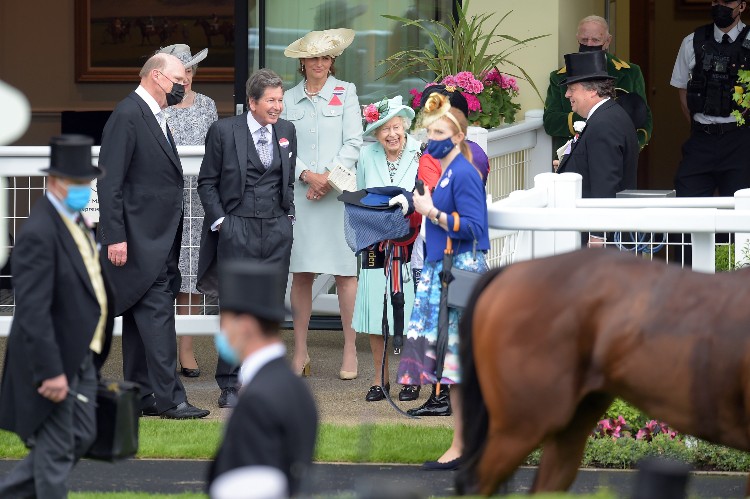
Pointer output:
632, 414
741, 95
460, 45
724, 257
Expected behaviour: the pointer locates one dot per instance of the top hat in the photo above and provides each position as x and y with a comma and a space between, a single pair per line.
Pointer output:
455, 97
586, 66
320, 43
388, 109
182, 52
70, 157
250, 288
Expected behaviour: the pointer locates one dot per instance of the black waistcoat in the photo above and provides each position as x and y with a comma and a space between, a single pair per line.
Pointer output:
262, 196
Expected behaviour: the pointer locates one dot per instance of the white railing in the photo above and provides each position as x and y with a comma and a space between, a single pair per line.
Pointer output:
517, 152
548, 218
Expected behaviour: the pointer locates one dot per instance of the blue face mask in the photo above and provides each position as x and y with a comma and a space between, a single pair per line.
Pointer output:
78, 197
225, 350
439, 149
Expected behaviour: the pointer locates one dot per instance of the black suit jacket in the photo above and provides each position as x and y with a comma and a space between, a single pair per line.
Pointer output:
54, 321
221, 181
274, 424
606, 153
140, 199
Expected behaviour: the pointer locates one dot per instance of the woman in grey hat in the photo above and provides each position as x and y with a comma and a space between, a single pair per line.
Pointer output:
189, 121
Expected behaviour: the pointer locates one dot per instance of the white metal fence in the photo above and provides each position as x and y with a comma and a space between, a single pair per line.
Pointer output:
548, 218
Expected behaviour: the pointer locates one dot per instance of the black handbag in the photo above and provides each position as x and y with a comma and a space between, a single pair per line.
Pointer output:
462, 284
117, 413
460, 288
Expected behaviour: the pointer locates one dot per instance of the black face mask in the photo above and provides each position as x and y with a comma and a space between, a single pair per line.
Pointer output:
175, 95
589, 48
722, 16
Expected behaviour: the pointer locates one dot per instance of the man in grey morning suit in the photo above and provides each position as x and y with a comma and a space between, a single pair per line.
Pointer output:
140, 226
246, 186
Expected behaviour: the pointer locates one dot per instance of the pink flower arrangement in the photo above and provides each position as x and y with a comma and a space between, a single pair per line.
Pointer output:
615, 428
489, 97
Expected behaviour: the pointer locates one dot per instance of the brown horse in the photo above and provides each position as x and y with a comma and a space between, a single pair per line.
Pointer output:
547, 345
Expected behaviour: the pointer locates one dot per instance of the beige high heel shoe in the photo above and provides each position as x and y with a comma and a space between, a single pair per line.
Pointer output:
348, 375
305, 372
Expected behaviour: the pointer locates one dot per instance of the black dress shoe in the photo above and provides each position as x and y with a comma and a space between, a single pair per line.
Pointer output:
150, 410
190, 373
409, 393
376, 393
438, 466
436, 405
185, 411
228, 397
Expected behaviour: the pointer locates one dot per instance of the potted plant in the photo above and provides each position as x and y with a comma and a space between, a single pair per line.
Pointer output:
460, 57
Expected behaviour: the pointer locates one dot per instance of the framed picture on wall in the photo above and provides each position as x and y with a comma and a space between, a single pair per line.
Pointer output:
114, 39
697, 5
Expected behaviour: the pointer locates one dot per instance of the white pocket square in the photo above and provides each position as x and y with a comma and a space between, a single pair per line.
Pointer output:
290, 155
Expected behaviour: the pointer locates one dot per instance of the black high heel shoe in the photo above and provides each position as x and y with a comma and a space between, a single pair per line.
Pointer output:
190, 373
376, 393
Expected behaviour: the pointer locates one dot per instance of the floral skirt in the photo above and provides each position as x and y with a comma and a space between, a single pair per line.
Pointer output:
417, 366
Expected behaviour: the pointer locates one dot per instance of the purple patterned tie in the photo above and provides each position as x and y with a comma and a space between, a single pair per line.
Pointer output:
264, 152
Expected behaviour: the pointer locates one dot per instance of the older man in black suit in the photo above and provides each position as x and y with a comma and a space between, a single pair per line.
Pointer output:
61, 332
275, 421
605, 152
140, 225
246, 186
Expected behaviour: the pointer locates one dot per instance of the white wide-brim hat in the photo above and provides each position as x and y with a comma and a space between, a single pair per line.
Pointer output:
321, 43
393, 107
182, 52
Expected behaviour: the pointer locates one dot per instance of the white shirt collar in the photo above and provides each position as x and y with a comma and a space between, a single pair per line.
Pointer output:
255, 361
254, 126
61, 208
733, 33
150, 101
596, 106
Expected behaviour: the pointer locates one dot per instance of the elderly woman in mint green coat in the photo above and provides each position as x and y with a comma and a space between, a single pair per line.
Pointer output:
326, 115
392, 160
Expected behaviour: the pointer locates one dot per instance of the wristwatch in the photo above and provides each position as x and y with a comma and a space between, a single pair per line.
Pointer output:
303, 176
436, 220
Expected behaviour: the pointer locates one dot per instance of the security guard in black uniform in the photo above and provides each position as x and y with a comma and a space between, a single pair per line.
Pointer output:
717, 154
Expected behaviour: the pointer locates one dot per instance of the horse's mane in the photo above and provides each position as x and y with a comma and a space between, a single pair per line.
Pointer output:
475, 420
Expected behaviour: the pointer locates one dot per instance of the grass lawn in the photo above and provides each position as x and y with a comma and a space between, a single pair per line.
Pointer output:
141, 495
392, 443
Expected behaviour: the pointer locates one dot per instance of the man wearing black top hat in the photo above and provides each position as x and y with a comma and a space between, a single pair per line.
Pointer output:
275, 420
605, 152
61, 332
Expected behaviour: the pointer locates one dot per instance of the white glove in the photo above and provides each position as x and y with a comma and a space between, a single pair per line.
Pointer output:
400, 199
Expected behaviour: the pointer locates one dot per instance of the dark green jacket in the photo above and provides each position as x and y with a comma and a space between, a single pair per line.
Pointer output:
559, 118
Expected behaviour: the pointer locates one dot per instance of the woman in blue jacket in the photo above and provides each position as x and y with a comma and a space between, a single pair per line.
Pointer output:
457, 209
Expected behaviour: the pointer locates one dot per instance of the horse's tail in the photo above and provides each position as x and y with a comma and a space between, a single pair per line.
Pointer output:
475, 420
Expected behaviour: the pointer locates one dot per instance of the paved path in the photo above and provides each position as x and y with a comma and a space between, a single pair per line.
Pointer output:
160, 476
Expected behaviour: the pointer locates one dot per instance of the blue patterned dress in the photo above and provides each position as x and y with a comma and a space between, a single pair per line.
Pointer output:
460, 194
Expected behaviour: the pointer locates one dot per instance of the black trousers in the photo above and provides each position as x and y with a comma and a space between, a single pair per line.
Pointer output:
713, 162
262, 240
149, 341
58, 444
710, 163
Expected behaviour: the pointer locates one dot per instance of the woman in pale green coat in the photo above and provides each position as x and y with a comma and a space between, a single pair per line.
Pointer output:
326, 115
392, 160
